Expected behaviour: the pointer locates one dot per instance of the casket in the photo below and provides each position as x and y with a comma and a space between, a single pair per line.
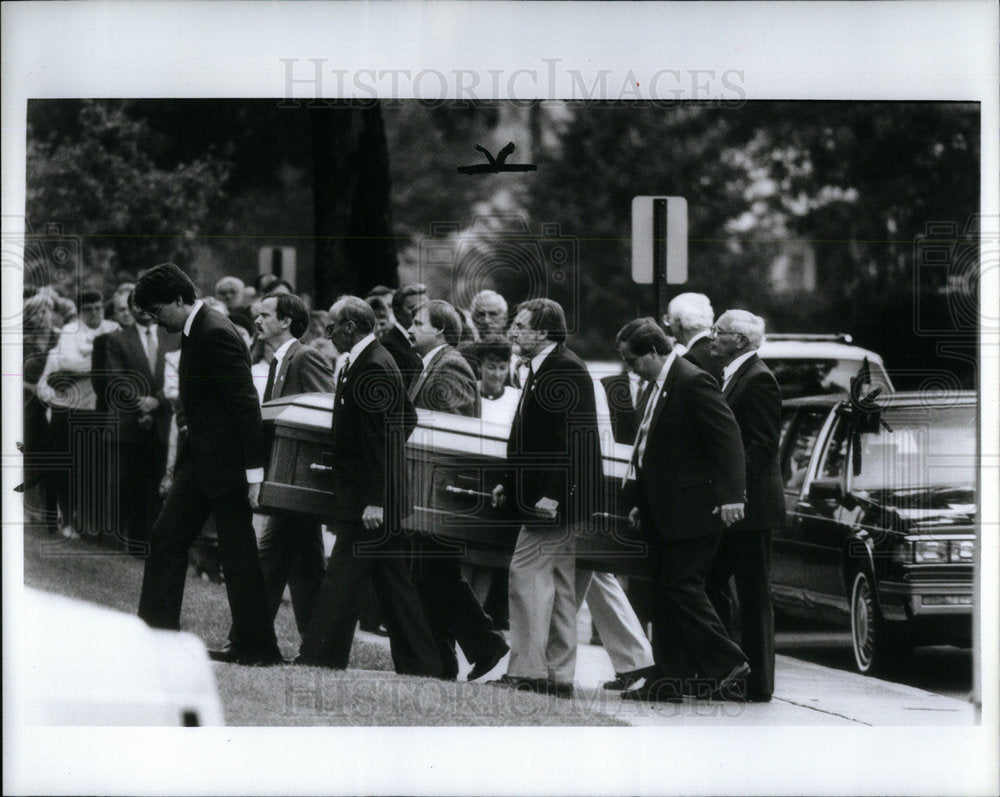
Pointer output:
453, 462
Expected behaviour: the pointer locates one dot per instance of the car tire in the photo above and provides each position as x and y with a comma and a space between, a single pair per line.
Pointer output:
870, 636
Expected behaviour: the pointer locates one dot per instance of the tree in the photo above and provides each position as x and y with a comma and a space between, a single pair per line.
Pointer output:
858, 182
96, 179
355, 248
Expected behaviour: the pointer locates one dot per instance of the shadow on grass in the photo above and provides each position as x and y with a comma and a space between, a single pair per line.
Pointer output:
369, 693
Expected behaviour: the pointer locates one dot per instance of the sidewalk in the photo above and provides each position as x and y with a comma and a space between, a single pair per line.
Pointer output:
805, 694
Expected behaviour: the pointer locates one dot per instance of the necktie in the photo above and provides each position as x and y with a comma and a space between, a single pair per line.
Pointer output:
343, 368
271, 371
639, 449
520, 367
641, 397
527, 384
151, 350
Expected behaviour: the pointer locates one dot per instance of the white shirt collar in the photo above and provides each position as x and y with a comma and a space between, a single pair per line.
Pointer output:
662, 376
734, 366
282, 350
190, 319
538, 359
141, 328
360, 346
430, 355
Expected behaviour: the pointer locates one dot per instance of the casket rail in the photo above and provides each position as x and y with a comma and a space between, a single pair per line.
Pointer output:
453, 462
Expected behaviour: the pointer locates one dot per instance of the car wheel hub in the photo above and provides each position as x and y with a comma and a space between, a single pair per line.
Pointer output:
862, 622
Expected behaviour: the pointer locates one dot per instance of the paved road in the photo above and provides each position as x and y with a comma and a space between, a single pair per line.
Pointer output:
822, 692
942, 669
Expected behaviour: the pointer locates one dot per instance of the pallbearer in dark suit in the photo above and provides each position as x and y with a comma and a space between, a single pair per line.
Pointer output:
291, 545
689, 320
555, 481
134, 366
686, 474
448, 384
745, 552
218, 471
392, 335
372, 417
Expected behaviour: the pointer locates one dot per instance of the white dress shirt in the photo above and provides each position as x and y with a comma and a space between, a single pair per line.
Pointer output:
639, 449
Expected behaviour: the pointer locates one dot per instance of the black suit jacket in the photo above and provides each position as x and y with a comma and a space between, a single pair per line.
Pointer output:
625, 418
701, 355
224, 432
554, 448
402, 352
693, 460
755, 398
127, 378
372, 418
303, 369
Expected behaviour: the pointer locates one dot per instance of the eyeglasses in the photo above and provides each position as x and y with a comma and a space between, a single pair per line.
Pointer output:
716, 332
330, 328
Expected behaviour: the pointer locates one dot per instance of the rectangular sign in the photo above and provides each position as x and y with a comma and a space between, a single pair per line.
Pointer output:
659, 239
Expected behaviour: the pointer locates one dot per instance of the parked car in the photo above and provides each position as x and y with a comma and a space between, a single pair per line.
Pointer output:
809, 365
803, 364
882, 518
887, 551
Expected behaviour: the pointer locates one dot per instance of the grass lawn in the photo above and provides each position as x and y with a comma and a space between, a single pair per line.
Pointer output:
369, 693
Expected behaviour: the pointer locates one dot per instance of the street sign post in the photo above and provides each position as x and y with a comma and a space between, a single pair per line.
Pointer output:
659, 244
277, 260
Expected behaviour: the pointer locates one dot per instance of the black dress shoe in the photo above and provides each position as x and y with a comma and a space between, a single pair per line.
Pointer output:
517, 682
624, 680
558, 688
234, 655
487, 663
541, 686
660, 691
733, 687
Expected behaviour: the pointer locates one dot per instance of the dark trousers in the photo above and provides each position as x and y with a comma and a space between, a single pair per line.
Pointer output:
142, 463
745, 554
452, 610
39, 505
179, 524
82, 445
686, 630
291, 553
355, 560
58, 476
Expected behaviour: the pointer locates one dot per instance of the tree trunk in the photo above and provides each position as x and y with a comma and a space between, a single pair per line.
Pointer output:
355, 248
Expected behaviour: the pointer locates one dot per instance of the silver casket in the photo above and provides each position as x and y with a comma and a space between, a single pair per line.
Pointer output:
453, 462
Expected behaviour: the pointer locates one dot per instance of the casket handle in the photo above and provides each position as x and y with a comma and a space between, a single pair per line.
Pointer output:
461, 491
321, 468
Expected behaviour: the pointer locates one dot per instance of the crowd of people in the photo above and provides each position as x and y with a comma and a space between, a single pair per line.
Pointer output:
175, 383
